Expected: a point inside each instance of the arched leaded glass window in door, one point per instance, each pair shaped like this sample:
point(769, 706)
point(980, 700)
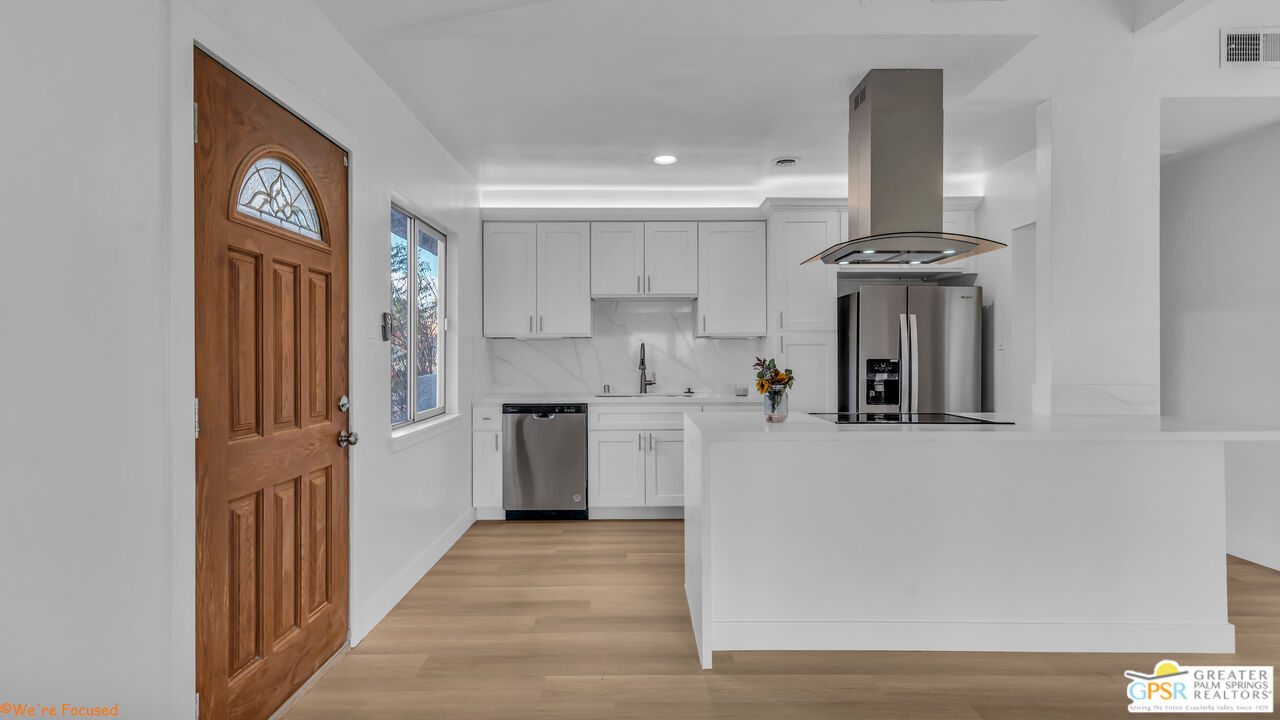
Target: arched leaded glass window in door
point(274, 192)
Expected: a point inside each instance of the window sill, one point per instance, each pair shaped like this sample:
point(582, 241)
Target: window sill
point(406, 437)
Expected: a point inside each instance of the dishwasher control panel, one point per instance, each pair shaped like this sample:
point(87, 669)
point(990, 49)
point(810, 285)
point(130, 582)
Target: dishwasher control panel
point(544, 409)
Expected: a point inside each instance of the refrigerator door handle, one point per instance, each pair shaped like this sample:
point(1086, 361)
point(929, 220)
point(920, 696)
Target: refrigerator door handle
point(904, 360)
point(915, 365)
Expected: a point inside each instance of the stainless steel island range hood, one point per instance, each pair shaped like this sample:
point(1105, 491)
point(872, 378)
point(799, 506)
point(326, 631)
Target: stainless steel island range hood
point(895, 176)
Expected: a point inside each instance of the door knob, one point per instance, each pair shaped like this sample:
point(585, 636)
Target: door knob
point(346, 437)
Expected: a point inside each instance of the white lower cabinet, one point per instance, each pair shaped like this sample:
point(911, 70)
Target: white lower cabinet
point(615, 468)
point(635, 468)
point(664, 469)
point(486, 469)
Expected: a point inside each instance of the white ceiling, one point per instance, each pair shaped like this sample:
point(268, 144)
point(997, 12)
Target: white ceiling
point(575, 97)
point(1191, 124)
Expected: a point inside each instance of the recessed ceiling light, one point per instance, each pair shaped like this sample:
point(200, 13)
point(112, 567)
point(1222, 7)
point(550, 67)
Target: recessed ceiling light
point(915, 262)
point(665, 159)
point(845, 262)
point(786, 162)
point(948, 252)
point(868, 252)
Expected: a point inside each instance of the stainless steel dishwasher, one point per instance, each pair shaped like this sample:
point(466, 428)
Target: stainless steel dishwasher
point(544, 461)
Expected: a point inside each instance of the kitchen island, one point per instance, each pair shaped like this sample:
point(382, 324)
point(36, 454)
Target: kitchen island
point(1056, 534)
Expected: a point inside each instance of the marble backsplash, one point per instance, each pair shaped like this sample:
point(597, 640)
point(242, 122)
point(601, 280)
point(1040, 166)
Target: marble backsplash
point(611, 356)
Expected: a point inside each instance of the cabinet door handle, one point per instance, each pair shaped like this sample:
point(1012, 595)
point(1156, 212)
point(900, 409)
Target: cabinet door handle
point(539, 323)
point(495, 442)
point(780, 319)
point(530, 324)
point(704, 323)
point(640, 442)
point(779, 344)
point(637, 284)
point(650, 442)
point(648, 283)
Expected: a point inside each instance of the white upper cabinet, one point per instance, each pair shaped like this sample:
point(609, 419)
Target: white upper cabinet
point(510, 279)
point(671, 259)
point(564, 279)
point(654, 259)
point(537, 280)
point(617, 259)
point(731, 279)
point(802, 298)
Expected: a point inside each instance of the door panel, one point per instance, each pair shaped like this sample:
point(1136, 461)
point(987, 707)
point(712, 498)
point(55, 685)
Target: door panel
point(564, 280)
point(271, 314)
point(880, 313)
point(671, 258)
point(949, 349)
point(616, 475)
point(812, 357)
point(510, 279)
point(803, 297)
point(664, 471)
point(731, 279)
point(617, 259)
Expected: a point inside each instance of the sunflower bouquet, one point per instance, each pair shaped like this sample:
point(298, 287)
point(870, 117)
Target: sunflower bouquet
point(773, 384)
point(769, 377)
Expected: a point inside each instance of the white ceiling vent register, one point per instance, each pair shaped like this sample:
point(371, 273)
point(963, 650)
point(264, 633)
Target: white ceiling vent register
point(1258, 47)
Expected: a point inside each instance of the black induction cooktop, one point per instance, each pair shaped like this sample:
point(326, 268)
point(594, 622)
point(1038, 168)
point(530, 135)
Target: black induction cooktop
point(904, 419)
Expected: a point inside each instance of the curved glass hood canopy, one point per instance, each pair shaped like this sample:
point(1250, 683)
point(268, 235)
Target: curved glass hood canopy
point(895, 176)
point(913, 248)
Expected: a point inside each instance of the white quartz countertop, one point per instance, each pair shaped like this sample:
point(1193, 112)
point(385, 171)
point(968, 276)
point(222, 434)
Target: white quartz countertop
point(803, 427)
point(698, 398)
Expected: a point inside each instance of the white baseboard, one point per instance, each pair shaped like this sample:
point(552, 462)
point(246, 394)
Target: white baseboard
point(636, 513)
point(976, 637)
point(394, 591)
point(603, 513)
point(1255, 551)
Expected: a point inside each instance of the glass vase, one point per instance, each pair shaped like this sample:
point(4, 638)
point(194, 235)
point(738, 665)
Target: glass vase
point(775, 404)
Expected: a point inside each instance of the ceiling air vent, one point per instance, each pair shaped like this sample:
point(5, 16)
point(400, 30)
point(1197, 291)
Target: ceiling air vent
point(1259, 47)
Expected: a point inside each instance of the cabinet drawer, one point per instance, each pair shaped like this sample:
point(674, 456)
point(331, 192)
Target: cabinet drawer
point(630, 417)
point(486, 417)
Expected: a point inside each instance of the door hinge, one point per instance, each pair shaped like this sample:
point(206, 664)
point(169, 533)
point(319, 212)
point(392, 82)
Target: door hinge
point(197, 706)
point(344, 161)
point(196, 417)
point(195, 123)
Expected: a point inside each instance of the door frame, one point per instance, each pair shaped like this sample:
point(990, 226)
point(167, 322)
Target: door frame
point(190, 28)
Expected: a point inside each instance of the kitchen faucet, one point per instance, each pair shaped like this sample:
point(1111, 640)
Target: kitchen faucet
point(645, 381)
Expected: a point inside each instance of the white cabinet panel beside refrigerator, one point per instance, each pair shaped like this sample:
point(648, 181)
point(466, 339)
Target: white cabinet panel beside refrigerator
point(802, 298)
point(731, 280)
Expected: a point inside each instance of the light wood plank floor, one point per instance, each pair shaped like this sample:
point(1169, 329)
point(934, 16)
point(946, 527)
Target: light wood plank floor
point(588, 620)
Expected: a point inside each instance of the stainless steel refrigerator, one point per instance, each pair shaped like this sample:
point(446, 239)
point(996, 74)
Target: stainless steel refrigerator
point(910, 349)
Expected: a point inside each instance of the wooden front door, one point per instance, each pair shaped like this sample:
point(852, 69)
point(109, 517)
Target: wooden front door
point(271, 366)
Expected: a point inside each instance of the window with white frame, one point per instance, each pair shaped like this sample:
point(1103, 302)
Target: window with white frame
point(417, 319)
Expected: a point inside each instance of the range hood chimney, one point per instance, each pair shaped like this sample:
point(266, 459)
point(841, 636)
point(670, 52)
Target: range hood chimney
point(895, 175)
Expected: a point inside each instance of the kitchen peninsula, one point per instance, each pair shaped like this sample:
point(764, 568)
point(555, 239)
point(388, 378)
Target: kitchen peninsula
point(1056, 534)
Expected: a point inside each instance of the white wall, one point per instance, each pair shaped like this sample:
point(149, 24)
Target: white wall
point(96, 455)
point(1220, 340)
point(1101, 186)
point(1009, 202)
point(85, 483)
